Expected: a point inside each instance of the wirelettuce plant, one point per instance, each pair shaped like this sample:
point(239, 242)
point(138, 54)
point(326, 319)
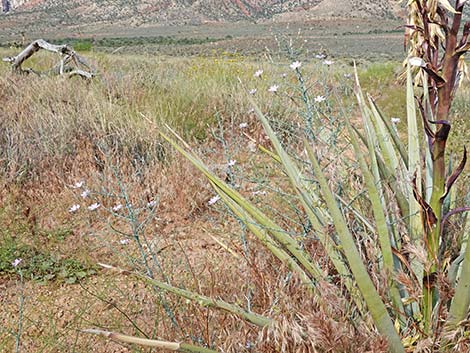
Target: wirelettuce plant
point(424, 302)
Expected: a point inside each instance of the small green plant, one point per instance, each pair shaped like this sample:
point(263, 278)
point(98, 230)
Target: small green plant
point(39, 265)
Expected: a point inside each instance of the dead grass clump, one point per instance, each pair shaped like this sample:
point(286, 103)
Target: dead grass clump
point(318, 325)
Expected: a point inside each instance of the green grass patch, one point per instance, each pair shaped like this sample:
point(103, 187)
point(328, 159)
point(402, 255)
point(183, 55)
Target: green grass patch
point(39, 265)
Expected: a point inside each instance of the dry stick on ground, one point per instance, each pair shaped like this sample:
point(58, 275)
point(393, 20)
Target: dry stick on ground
point(67, 56)
point(171, 346)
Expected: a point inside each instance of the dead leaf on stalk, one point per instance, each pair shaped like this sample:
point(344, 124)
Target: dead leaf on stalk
point(446, 4)
point(434, 75)
point(464, 45)
point(443, 132)
point(429, 217)
point(427, 126)
point(455, 174)
point(463, 49)
point(405, 261)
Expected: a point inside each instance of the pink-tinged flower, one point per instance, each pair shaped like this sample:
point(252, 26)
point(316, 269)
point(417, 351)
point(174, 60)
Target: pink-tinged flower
point(243, 125)
point(78, 184)
point(213, 200)
point(258, 73)
point(328, 62)
point(16, 262)
point(295, 65)
point(319, 99)
point(273, 88)
point(74, 208)
point(253, 91)
point(94, 206)
point(124, 241)
point(85, 193)
point(231, 163)
point(152, 204)
point(117, 207)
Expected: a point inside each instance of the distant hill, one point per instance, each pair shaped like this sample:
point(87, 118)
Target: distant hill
point(177, 12)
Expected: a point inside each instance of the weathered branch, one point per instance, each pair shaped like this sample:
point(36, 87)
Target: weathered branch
point(67, 54)
point(202, 300)
point(170, 346)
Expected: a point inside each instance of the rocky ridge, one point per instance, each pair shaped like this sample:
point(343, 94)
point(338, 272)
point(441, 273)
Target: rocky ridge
point(174, 12)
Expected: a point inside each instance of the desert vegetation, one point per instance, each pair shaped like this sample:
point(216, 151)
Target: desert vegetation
point(232, 203)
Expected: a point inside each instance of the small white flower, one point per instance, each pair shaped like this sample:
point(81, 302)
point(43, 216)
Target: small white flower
point(395, 120)
point(319, 99)
point(94, 206)
point(295, 65)
point(85, 193)
point(231, 163)
point(347, 75)
point(253, 91)
point(259, 192)
point(152, 204)
point(213, 200)
point(320, 56)
point(117, 207)
point(284, 75)
point(243, 125)
point(124, 241)
point(415, 61)
point(78, 184)
point(16, 262)
point(258, 73)
point(328, 62)
point(273, 88)
point(74, 208)
point(251, 111)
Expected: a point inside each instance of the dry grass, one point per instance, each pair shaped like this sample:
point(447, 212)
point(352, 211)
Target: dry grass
point(55, 132)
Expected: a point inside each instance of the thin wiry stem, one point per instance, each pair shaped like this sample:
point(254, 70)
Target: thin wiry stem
point(20, 316)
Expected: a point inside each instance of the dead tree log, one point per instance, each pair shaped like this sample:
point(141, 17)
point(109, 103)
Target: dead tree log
point(70, 63)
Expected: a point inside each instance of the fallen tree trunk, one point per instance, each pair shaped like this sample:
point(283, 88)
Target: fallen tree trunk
point(67, 56)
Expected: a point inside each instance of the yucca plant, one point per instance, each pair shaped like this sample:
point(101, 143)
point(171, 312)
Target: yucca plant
point(425, 299)
point(437, 48)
